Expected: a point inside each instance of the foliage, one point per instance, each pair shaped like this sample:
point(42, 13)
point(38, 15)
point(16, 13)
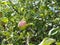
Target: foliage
point(42, 18)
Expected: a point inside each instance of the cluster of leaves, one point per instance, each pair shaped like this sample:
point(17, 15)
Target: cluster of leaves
point(42, 17)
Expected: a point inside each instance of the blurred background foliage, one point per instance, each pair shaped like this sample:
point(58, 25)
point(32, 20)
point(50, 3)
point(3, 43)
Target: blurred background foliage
point(44, 14)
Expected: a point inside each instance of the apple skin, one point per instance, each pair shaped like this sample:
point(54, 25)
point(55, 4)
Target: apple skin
point(22, 24)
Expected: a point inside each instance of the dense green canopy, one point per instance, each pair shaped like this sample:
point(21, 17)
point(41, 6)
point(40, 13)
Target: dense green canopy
point(41, 21)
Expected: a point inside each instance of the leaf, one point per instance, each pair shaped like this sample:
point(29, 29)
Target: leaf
point(57, 43)
point(22, 9)
point(30, 24)
point(47, 41)
point(5, 19)
point(31, 44)
point(9, 44)
point(53, 31)
point(4, 2)
point(1, 14)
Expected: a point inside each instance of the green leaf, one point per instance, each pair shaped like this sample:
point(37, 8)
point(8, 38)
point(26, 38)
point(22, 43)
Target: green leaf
point(47, 41)
point(9, 44)
point(57, 43)
point(4, 2)
point(54, 31)
point(31, 44)
point(1, 14)
point(5, 19)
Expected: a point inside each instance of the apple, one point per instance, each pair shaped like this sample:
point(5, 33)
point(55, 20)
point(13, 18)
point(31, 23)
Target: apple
point(22, 24)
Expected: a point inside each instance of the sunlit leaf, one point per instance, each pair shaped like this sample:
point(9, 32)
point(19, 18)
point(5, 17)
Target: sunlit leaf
point(5, 20)
point(47, 41)
point(57, 43)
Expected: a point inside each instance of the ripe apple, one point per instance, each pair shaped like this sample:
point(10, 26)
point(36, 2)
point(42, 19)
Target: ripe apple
point(22, 24)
